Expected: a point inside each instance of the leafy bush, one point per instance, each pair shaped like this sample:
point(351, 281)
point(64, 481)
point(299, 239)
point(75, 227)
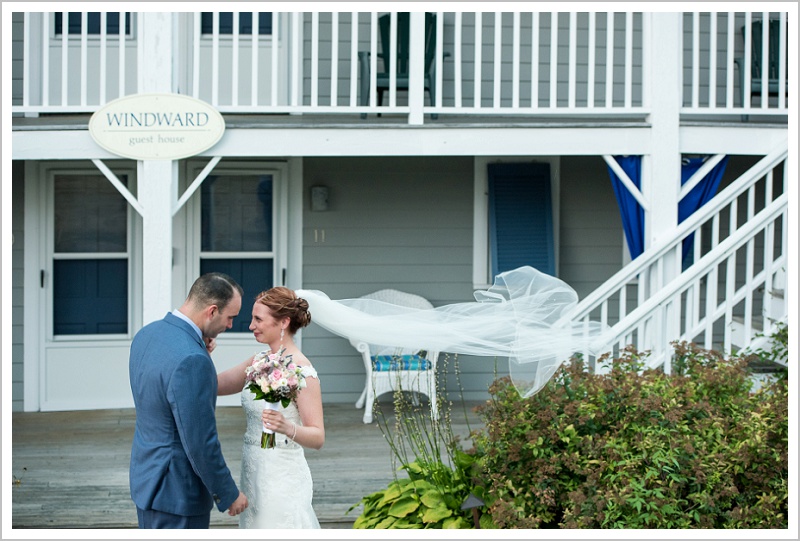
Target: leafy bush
point(439, 472)
point(430, 497)
point(637, 448)
point(632, 448)
point(778, 352)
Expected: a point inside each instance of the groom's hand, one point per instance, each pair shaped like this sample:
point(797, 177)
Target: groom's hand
point(239, 505)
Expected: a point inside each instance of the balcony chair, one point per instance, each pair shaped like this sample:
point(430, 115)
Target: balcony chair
point(773, 57)
point(392, 369)
point(401, 64)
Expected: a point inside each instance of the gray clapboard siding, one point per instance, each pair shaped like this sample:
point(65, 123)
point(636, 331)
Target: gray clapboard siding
point(403, 256)
point(401, 223)
point(437, 294)
point(576, 236)
point(585, 277)
point(371, 275)
point(17, 27)
point(358, 258)
point(17, 293)
point(591, 241)
point(395, 235)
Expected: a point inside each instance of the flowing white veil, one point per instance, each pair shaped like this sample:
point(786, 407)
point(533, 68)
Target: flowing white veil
point(522, 317)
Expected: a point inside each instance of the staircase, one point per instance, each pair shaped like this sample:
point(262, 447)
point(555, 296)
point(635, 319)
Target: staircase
point(726, 292)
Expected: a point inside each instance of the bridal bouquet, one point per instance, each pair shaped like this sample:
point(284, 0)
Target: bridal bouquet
point(276, 378)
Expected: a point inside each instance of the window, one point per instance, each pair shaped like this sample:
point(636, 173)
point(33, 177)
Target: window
point(520, 217)
point(236, 226)
point(74, 20)
point(90, 256)
point(245, 23)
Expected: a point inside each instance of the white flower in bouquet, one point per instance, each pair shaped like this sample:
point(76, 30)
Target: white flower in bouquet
point(274, 377)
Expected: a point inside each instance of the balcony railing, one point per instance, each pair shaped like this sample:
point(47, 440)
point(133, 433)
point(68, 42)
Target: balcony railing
point(485, 63)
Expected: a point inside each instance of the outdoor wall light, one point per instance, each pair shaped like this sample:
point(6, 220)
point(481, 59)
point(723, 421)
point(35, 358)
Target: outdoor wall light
point(319, 198)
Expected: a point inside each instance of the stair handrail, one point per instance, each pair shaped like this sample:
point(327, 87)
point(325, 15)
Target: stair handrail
point(660, 248)
point(686, 278)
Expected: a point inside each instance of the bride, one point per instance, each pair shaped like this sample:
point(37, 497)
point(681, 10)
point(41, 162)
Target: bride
point(277, 481)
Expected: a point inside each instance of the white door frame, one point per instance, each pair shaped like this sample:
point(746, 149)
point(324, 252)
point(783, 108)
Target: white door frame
point(40, 344)
point(233, 348)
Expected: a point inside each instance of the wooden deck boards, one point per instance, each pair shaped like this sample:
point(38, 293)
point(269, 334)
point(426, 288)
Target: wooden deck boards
point(71, 468)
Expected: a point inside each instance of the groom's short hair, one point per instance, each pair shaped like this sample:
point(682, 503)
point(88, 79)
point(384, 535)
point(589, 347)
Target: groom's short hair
point(214, 288)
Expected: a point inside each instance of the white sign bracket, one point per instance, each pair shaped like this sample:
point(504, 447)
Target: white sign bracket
point(196, 184)
point(117, 183)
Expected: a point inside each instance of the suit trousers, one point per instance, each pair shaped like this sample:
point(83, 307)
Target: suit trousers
point(150, 518)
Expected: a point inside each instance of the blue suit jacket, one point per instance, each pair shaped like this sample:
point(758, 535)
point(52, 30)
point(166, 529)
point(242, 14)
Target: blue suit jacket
point(176, 459)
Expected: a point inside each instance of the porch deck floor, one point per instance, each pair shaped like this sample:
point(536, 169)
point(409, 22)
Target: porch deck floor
point(70, 469)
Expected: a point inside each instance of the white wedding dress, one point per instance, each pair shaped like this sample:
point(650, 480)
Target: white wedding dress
point(277, 481)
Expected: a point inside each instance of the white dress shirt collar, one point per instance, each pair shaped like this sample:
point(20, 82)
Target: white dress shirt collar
point(184, 317)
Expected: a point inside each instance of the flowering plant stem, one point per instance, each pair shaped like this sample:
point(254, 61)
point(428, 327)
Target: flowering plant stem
point(267, 440)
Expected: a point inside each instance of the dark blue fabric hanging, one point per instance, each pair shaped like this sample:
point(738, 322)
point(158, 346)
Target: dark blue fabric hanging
point(701, 194)
point(632, 213)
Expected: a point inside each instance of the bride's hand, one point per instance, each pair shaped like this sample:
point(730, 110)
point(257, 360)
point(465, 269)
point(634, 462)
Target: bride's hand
point(211, 343)
point(274, 420)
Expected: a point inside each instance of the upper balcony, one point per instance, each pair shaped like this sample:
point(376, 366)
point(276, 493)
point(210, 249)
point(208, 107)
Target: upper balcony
point(475, 66)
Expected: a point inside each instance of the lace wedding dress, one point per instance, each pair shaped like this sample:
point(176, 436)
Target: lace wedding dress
point(277, 481)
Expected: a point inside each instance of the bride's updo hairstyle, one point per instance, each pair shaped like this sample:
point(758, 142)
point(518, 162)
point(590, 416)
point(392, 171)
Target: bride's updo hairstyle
point(282, 302)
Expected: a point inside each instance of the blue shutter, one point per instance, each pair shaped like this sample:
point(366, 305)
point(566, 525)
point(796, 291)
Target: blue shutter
point(520, 217)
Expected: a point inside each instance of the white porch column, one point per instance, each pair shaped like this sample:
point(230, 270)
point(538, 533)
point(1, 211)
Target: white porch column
point(158, 188)
point(158, 179)
point(661, 170)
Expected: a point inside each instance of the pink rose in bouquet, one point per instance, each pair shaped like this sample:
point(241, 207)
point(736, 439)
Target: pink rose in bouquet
point(275, 378)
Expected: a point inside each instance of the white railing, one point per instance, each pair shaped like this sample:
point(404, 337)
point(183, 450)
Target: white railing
point(636, 291)
point(484, 63)
point(75, 73)
point(720, 78)
point(703, 301)
point(540, 63)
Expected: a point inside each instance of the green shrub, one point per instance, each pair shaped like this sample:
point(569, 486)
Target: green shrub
point(440, 474)
point(430, 497)
point(637, 448)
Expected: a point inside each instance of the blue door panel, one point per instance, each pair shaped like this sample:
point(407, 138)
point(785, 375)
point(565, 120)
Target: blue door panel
point(254, 275)
point(90, 296)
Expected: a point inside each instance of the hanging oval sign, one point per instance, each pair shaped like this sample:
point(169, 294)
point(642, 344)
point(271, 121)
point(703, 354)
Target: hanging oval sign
point(156, 126)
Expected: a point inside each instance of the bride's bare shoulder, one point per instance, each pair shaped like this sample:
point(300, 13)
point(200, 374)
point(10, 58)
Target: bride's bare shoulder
point(300, 359)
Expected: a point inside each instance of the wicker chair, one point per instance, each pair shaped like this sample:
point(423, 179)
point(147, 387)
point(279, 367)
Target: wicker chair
point(395, 369)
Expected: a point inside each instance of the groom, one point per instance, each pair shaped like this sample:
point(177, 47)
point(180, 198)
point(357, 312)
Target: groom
point(177, 471)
